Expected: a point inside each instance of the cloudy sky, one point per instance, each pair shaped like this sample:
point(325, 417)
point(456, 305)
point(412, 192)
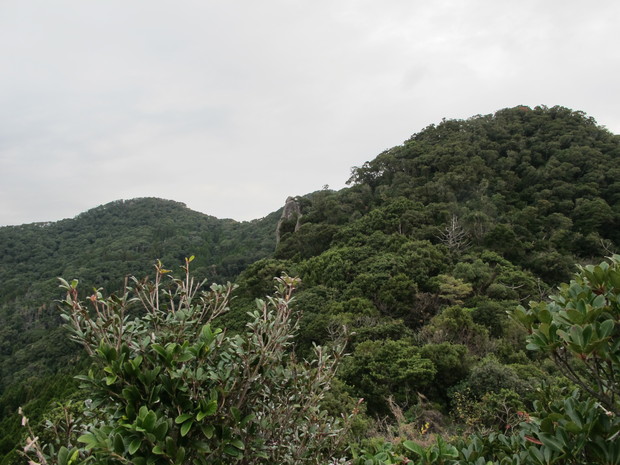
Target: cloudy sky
point(231, 106)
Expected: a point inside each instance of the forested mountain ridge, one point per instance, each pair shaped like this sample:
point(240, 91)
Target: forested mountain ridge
point(421, 258)
point(540, 186)
point(103, 245)
point(99, 248)
point(109, 241)
point(438, 238)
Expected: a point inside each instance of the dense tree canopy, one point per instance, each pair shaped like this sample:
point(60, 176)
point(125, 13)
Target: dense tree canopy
point(422, 259)
point(99, 247)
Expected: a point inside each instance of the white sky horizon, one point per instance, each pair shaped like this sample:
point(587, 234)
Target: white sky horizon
point(230, 107)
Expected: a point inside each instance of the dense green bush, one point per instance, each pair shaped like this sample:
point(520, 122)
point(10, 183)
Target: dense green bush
point(384, 368)
point(432, 245)
point(168, 386)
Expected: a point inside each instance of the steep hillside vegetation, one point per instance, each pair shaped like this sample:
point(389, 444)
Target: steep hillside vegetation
point(437, 239)
point(99, 248)
point(528, 184)
point(421, 259)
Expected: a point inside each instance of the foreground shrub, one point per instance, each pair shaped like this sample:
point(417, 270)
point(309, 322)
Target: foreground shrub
point(169, 387)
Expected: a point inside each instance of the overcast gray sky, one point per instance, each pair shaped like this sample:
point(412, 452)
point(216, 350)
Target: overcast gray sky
point(231, 106)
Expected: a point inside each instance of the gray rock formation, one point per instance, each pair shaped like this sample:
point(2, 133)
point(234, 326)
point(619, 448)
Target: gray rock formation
point(291, 212)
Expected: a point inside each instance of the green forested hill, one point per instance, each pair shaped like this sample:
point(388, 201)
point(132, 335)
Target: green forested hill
point(540, 187)
point(420, 258)
point(437, 239)
point(100, 247)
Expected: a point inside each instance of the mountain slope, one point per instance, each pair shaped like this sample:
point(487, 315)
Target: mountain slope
point(103, 245)
point(527, 183)
point(437, 239)
point(99, 248)
point(421, 258)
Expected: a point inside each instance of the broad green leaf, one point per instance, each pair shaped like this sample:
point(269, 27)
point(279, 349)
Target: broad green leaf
point(149, 422)
point(161, 430)
point(614, 278)
point(183, 418)
point(232, 451)
point(599, 301)
point(451, 451)
point(551, 442)
point(536, 455)
point(247, 419)
point(587, 334)
point(211, 407)
point(533, 347)
point(238, 444)
point(160, 350)
point(544, 316)
point(413, 447)
point(131, 394)
point(599, 275)
point(63, 456)
point(89, 439)
point(606, 328)
point(171, 445)
point(119, 445)
point(236, 413)
point(576, 336)
point(575, 316)
point(208, 431)
point(186, 427)
point(180, 456)
point(134, 446)
point(581, 306)
point(572, 427)
point(202, 446)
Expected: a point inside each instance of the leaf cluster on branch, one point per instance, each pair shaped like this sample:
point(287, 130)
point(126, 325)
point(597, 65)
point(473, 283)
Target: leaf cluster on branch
point(169, 387)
